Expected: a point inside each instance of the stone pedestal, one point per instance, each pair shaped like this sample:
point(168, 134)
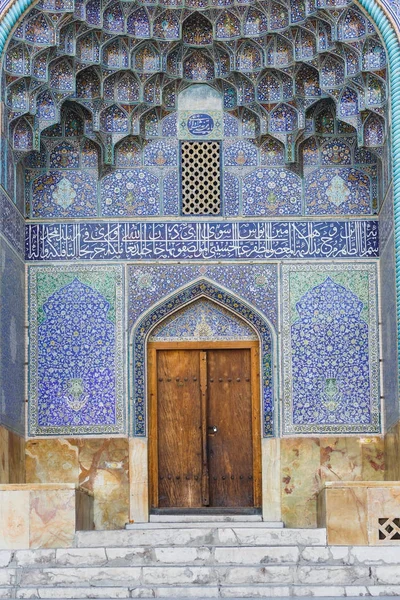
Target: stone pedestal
point(43, 515)
point(359, 513)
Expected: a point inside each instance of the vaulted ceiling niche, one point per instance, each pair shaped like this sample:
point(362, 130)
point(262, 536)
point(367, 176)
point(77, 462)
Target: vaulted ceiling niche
point(293, 76)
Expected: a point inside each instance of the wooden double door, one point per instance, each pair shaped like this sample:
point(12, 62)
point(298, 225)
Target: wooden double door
point(204, 426)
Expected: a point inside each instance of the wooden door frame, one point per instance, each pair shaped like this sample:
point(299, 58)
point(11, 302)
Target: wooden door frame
point(152, 348)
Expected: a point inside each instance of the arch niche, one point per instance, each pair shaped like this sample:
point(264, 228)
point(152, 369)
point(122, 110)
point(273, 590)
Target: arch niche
point(257, 336)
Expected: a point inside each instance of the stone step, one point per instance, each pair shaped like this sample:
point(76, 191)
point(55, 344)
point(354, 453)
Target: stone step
point(210, 575)
point(197, 593)
point(201, 556)
point(164, 524)
point(215, 535)
point(210, 519)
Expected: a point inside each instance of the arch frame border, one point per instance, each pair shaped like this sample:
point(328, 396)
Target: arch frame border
point(180, 298)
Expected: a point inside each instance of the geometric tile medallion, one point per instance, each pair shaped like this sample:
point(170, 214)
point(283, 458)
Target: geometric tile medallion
point(330, 349)
point(76, 350)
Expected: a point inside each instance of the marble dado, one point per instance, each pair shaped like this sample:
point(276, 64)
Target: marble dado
point(12, 459)
point(43, 515)
point(294, 471)
point(98, 465)
point(360, 512)
point(308, 463)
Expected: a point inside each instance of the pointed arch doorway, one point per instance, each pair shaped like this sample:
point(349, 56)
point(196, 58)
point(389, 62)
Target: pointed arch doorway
point(204, 412)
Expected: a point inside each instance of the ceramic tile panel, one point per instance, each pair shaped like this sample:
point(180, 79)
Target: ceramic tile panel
point(128, 97)
point(12, 334)
point(202, 320)
point(64, 194)
point(205, 240)
point(330, 349)
point(76, 360)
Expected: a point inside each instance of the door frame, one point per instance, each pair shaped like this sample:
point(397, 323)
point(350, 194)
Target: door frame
point(152, 348)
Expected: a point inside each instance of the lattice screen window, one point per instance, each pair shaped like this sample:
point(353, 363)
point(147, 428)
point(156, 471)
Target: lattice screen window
point(389, 529)
point(201, 178)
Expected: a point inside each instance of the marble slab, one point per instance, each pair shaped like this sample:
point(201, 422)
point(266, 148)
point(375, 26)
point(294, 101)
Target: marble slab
point(99, 465)
point(360, 512)
point(43, 515)
point(307, 464)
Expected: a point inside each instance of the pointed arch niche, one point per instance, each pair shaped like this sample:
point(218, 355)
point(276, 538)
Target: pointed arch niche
point(225, 302)
point(201, 311)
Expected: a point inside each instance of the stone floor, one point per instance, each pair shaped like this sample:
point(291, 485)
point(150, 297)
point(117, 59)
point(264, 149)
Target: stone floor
point(201, 561)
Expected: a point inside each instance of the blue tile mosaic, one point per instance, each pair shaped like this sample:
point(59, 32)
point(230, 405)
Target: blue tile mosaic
point(130, 192)
point(171, 193)
point(199, 289)
point(12, 335)
point(202, 320)
point(338, 191)
point(12, 224)
point(230, 194)
point(202, 240)
point(62, 194)
point(330, 349)
point(75, 364)
point(272, 192)
point(256, 284)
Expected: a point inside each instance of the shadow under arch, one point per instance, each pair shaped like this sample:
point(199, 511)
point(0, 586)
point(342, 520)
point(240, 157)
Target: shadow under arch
point(202, 288)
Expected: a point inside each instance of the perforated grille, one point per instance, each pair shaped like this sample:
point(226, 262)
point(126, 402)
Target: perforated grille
point(389, 529)
point(201, 178)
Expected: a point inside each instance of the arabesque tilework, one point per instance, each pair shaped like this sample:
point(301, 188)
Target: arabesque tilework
point(76, 373)
point(330, 349)
point(202, 320)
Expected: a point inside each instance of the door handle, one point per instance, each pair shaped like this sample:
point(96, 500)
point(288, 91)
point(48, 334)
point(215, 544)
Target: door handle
point(212, 429)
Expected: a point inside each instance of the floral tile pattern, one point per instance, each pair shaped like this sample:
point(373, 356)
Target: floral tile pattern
point(76, 370)
point(330, 349)
point(200, 321)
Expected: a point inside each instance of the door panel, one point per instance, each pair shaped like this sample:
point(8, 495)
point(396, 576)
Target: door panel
point(196, 392)
point(230, 448)
point(179, 428)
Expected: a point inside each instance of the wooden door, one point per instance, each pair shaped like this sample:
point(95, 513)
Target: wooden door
point(204, 426)
point(229, 428)
point(179, 428)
